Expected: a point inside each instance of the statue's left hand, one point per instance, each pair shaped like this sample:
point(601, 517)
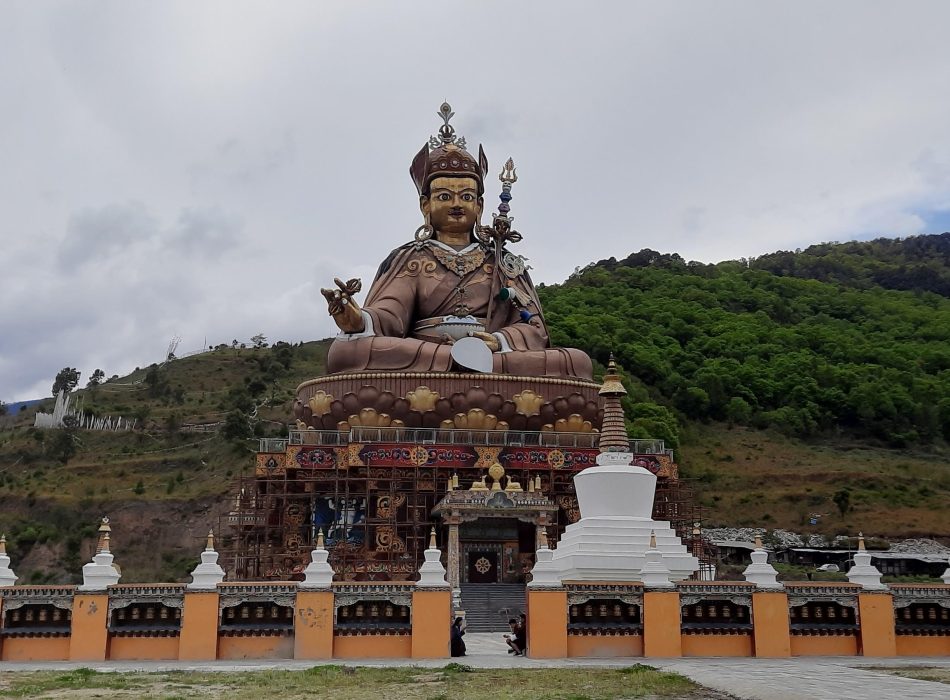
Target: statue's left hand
point(491, 341)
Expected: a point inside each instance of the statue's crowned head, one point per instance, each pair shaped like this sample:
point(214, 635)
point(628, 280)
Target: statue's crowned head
point(445, 156)
point(449, 179)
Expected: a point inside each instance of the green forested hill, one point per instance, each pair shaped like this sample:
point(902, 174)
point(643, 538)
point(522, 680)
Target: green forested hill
point(809, 343)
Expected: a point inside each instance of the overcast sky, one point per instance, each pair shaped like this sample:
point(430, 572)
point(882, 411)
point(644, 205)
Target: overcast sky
point(200, 169)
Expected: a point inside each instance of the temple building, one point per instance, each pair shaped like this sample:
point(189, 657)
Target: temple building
point(445, 406)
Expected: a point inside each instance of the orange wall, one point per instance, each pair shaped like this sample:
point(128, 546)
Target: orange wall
point(661, 624)
point(269, 647)
point(89, 637)
point(831, 645)
point(313, 625)
point(35, 649)
point(431, 619)
point(547, 624)
point(770, 636)
point(912, 645)
point(375, 646)
point(876, 612)
point(604, 646)
point(143, 648)
point(199, 627)
point(717, 645)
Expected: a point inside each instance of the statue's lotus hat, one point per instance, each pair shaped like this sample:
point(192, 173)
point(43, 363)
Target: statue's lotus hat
point(445, 156)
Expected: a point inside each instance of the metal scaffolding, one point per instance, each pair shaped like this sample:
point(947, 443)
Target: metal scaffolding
point(376, 519)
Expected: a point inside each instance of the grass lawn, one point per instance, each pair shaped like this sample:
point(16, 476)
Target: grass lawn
point(454, 681)
point(921, 673)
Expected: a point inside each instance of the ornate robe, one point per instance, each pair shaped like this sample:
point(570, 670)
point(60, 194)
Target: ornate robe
point(421, 282)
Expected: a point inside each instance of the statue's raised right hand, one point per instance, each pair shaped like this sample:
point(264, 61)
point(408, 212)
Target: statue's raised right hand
point(343, 308)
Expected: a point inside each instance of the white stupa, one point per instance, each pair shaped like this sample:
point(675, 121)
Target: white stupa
point(432, 573)
point(101, 572)
point(610, 541)
point(319, 574)
point(760, 572)
point(208, 574)
point(863, 571)
point(7, 577)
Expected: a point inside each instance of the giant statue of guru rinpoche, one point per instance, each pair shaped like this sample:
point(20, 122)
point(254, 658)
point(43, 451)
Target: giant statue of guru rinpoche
point(455, 298)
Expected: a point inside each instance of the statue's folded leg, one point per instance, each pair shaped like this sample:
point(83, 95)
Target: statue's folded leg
point(385, 354)
point(552, 362)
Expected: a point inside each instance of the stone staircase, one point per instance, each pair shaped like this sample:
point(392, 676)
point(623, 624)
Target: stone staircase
point(488, 606)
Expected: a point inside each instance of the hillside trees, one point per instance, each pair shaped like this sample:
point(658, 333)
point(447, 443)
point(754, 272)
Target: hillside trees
point(737, 343)
point(67, 378)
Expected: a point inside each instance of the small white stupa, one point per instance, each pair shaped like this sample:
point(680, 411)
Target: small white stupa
point(610, 541)
point(101, 572)
point(208, 574)
point(655, 573)
point(760, 572)
point(544, 574)
point(863, 572)
point(7, 577)
point(319, 574)
point(432, 573)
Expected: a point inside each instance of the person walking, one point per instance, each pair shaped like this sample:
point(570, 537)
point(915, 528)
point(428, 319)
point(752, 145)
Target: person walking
point(455, 636)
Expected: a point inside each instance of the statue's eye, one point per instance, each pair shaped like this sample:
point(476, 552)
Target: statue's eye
point(467, 197)
point(444, 197)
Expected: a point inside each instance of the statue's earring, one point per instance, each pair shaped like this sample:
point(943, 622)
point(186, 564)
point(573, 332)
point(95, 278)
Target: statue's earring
point(483, 233)
point(424, 232)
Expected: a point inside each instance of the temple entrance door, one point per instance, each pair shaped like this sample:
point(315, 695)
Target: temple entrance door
point(482, 566)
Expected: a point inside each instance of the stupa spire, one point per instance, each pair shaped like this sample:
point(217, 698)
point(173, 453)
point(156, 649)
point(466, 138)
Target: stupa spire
point(613, 431)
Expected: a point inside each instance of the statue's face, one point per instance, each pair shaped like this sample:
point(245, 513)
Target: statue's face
point(453, 204)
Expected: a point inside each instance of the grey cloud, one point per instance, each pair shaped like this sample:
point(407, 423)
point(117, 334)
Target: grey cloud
point(208, 231)
point(95, 233)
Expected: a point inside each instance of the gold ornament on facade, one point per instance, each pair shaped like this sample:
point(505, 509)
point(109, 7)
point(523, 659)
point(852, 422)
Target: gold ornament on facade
point(388, 541)
point(320, 403)
point(418, 456)
point(479, 485)
point(422, 399)
point(371, 418)
point(475, 419)
point(556, 459)
point(528, 402)
point(487, 456)
point(386, 506)
point(496, 472)
point(573, 424)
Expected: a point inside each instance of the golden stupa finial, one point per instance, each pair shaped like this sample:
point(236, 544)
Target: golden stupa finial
point(758, 541)
point(860, 541)
point(209, 544)
point(652, 539)
point(3, 543)
point(104, 530)
point(612, 385)
point(496, 472)
point(696, 531)
point(105, 545)
point(320, 543)
point(432, 544)
point(543, 538)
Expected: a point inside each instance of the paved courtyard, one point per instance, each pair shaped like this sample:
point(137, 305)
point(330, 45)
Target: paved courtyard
point(822, 678)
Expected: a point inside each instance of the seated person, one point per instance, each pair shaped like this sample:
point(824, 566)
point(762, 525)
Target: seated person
point(455, 635)
point(515, 640)
point(453, 268)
